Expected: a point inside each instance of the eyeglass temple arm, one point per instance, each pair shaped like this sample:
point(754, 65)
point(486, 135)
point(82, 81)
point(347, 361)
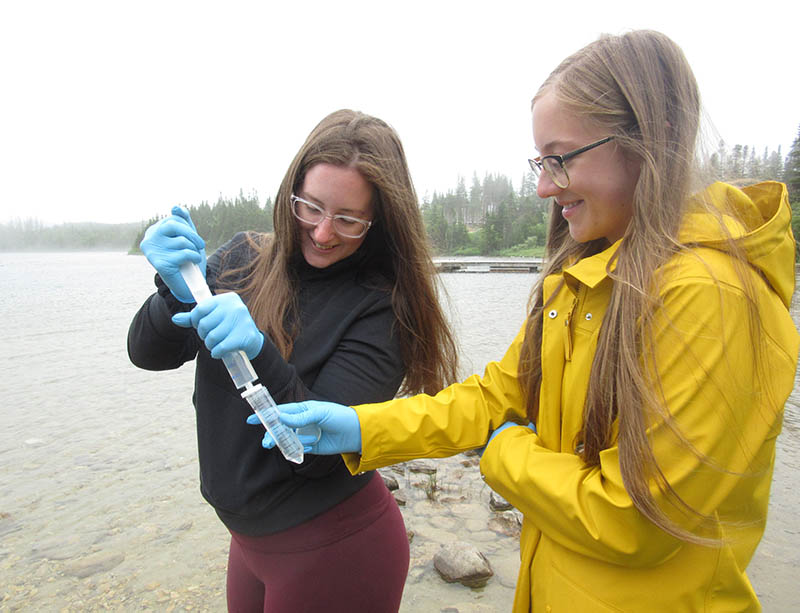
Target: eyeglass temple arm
point(572, 154)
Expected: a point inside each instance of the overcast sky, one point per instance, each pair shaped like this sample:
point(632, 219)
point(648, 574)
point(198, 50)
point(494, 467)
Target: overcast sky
point(115, 111)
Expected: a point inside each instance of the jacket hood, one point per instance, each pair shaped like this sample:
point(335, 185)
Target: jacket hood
point(763, 229)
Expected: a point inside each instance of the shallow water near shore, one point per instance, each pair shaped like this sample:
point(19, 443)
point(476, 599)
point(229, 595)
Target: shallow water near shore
point(100, 506)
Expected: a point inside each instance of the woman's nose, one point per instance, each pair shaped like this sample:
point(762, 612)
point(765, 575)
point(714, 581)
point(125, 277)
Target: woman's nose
point(545, 188)
point(323, 231)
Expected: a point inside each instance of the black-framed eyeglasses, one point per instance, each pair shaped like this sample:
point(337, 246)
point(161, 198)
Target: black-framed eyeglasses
point(343, 225)
point(554, 164)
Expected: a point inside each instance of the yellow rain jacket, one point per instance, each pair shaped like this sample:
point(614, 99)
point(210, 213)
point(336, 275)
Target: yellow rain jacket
point(584, 546)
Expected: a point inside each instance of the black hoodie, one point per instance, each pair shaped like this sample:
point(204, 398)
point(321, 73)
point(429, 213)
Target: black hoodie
point(345, 352)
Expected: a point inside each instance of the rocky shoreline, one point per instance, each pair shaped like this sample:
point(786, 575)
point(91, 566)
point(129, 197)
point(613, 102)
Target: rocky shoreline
point(463, 541)
point(167, 551)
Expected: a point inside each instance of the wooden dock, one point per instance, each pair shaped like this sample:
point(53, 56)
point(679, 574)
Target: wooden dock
point(477, 264)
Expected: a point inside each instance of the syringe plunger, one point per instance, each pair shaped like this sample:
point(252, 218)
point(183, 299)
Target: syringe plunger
point(243, 375)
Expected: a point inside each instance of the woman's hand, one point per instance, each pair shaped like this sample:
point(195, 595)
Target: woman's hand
point(170, 242)
point(508, 424)
point(339, 428)
point(225, 325)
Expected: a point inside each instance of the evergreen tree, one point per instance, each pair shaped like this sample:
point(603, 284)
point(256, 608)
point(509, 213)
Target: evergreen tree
point(475, 200)
point(714, 166)
point(492, 237)
point(461, 201)
point(735, 167)
point(791, 171)
point(774, 167)
point(528, 185)
point(722, 160)
point(753, 169)
point(435, 223)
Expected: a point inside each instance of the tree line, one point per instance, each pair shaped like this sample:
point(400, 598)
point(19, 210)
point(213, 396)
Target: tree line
point(791, 176)
point(34, 235)
point(490, 217)
point(218, 223)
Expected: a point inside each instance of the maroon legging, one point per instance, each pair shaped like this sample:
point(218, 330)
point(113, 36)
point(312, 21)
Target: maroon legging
point(353, 557)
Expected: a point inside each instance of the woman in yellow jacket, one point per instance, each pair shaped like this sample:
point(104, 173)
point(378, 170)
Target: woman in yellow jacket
point(653, 367)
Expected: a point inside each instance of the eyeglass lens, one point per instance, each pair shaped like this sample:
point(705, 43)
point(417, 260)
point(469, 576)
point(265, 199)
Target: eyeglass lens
point(554, 168)
point(345, 226)
point(556, 171)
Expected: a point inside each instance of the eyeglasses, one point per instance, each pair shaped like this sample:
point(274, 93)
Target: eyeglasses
point(554, 164)
point(343, 225)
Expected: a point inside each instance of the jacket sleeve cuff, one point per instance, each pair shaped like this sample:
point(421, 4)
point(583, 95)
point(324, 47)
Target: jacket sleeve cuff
point(353, 463)
point(173, 304)
point(160, 310)
point(373, 441)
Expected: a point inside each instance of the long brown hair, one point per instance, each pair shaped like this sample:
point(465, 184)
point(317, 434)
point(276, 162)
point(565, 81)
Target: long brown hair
point(396, 246)
point(639, 88)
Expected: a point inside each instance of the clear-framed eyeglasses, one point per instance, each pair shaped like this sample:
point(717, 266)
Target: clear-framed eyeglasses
point(555, 167)
point(343, 225)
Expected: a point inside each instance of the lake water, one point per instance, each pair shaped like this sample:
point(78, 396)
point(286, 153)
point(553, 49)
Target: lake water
point(100, 505)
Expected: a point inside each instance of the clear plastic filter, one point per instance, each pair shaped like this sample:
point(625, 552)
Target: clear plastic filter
point(285, 438)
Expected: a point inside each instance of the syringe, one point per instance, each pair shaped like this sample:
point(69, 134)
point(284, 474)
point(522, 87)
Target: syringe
point(243, 375)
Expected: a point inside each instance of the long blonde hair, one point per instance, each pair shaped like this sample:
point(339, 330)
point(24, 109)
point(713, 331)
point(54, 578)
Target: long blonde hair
point(639, 88)
point(395, 246)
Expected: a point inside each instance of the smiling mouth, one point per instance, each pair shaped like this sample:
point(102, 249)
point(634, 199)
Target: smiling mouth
point(322, 247)
point(571, 205)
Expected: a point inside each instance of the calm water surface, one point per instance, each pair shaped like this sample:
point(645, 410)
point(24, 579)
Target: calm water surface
point(99, 501)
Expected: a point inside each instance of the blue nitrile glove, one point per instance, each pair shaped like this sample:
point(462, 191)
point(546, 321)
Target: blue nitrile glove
point(170, 242)
point(508, 424)
point(340, 430)
point(225, 325)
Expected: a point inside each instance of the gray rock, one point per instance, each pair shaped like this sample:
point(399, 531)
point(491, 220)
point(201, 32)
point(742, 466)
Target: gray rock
point(462, 562)
point(468, 607)
point(498, 503)
point(390, 481)
point(422, 466)
point(508, 523)
point(400, 497)
point(93, 564)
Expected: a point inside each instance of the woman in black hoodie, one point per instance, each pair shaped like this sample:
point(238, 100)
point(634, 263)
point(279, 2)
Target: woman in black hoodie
point(339, 304)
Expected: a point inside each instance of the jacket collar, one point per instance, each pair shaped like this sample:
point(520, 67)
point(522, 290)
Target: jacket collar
point(593, 270)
